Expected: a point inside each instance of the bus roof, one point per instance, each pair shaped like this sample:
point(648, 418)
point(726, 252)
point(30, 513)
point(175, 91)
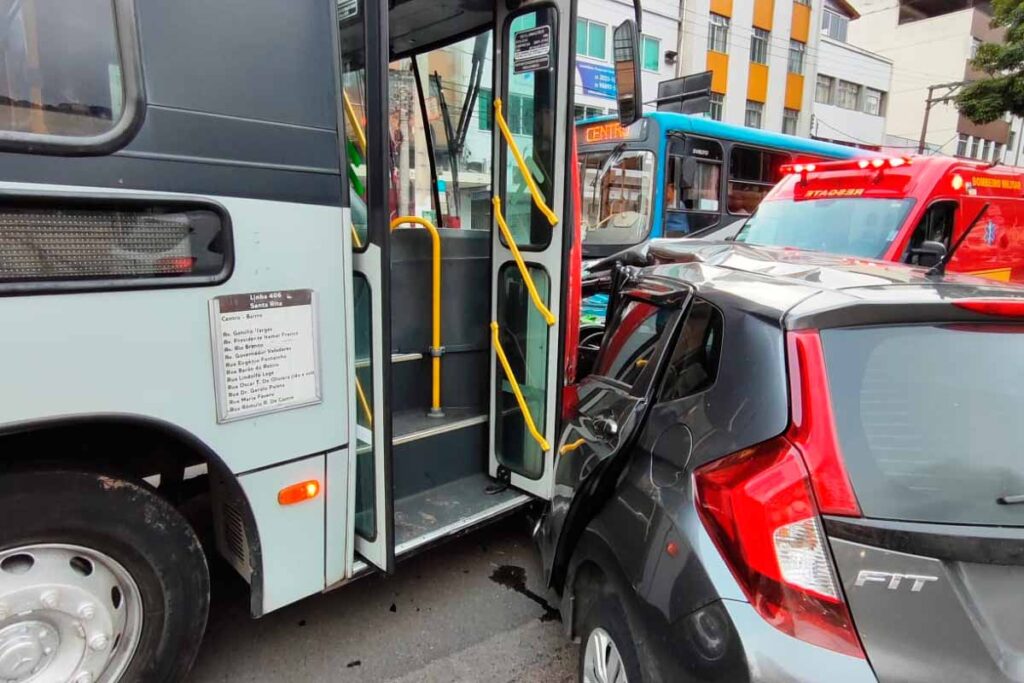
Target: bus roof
point(700, 125)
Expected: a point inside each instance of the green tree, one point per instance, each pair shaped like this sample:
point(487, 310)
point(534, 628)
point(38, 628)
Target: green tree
point(1002, 89)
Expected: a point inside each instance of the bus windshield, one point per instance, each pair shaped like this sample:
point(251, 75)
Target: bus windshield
point(618, 193)
point(854, 226)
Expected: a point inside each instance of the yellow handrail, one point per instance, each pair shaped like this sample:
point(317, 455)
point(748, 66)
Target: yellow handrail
point(367, 410)
point(527, 176)
point(350, 114)
point(549, 317)
point(435, 335)
point(570, 447)
point(523, 408)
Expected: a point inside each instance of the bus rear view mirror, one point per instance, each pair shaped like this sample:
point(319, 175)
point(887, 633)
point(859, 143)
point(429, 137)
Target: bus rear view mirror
point(626, 53)
point(927, 254)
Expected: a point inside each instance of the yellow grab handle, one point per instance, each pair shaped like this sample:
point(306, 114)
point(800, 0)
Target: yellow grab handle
point(549, 317)
point(570, 447)
point(350, 114)
point(367, 411)
point(523, 408)
point(435, 334)
point(527, 176)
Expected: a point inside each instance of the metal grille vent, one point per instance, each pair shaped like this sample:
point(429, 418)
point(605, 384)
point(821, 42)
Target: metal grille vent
point(87, 244)
point(234, 535)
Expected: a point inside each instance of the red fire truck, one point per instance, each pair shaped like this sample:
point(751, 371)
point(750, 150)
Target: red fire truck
point(907, 209)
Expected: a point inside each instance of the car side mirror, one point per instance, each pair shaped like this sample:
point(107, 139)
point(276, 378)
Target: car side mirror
point(688, 172)
point(927, 254)
point(626, 53)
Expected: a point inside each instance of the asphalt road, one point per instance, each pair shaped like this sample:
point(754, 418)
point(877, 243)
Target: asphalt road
point(472, 609)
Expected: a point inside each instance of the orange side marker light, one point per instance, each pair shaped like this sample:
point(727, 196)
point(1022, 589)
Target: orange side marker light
point(297, 493)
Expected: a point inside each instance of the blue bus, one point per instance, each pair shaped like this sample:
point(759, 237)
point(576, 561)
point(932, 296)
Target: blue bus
point(676, 175)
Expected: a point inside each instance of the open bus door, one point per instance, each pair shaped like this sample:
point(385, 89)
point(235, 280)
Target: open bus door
point(364, 93)
point(533, 231)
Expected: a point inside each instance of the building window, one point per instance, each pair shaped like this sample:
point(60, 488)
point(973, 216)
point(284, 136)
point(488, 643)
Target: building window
point(796, 56)
point(650, 53)
point(716, 106)
point(803, 2)
point(834, 25)
point(997, 153)
point(986, 147)
point(485, 110)
point(755, 110)
point(974, 147)
point(824, 92)
point(873, 100)
point(789, 121)
point(759, 46)
point(520, 114)
point(961, 145)
point(847, 95)
point(581, 111)
point(591, 38)
point(718, 33)
point(975, 44)
point(1011, 145)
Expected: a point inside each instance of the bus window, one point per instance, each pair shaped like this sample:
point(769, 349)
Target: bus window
point(529, 108)
point(752, 172)
point(694, 206)
point(60, 73)
point(617, 196)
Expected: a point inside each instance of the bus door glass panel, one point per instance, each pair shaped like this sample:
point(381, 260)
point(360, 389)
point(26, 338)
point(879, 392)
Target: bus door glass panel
point(618, 196)
point(533, 45)
point(936, 225)
point(692, 206)
point(365, 508)
point(524, 338)
point(752, 173)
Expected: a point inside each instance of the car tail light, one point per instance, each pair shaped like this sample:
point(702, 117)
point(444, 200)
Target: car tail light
point(1000, 307)
point(762, 508)
point(758, 507)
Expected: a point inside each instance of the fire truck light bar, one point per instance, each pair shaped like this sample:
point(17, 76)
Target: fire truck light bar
point(847, 165)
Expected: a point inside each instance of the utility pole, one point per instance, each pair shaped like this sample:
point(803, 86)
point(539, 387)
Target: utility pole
point(951, 90)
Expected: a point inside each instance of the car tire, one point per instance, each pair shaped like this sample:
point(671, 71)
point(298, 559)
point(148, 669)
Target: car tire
point(106, 557)
point(607, 650)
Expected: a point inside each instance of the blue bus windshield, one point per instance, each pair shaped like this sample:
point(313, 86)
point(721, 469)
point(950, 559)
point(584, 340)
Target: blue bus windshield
point(617, 196)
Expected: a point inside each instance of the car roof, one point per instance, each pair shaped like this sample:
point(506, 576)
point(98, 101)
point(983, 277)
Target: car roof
point(814, 289)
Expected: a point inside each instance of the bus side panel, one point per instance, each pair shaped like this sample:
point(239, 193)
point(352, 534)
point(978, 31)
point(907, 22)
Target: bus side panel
point(148, 353)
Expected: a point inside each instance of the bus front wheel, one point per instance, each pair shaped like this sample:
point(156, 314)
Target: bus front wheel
point(100, 580)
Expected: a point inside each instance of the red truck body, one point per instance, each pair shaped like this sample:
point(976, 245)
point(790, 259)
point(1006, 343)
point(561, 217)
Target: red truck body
point(887, 207)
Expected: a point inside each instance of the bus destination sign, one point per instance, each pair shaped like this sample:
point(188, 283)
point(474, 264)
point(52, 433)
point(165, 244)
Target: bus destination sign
point(612, 131)
point(265, 352)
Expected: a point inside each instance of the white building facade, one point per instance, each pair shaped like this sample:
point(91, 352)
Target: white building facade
point(595, 75)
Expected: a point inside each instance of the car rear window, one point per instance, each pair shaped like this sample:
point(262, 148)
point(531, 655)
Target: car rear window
point(931, 419)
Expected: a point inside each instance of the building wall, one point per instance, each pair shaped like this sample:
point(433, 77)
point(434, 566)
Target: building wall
point(849, 63)
point(736, 77)
point(660, 21)
point(923, 53)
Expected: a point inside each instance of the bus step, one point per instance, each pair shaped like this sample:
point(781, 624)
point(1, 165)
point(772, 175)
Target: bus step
point(415, 424)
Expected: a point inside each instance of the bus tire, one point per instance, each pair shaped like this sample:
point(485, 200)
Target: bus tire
point(84, 553)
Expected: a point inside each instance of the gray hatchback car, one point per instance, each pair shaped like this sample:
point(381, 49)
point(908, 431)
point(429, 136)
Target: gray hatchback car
point(785, 466)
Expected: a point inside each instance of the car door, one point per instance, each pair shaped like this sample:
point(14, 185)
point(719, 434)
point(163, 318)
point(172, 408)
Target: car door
point(611, 405)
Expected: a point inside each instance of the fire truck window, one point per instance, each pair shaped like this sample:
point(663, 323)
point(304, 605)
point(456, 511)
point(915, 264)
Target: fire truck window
point(936, 225)
point(752, 172)
point(60, 73)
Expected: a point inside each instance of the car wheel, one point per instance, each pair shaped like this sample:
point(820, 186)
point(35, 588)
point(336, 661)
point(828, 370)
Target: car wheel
point(607, 651)
point(101, 580)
